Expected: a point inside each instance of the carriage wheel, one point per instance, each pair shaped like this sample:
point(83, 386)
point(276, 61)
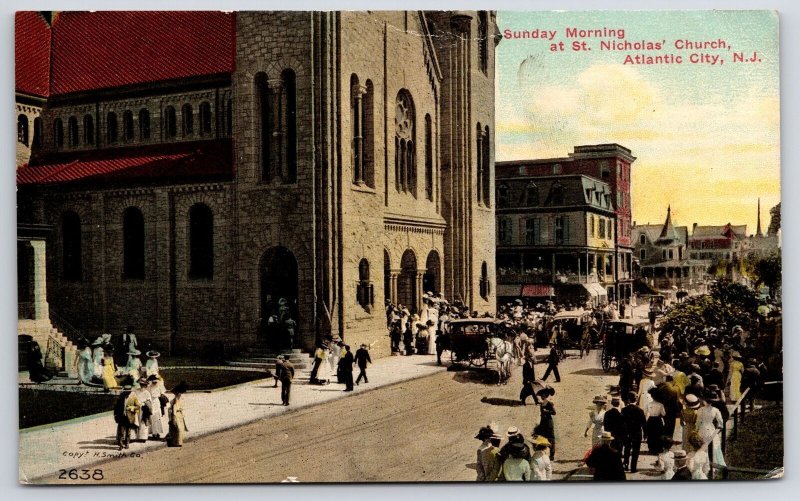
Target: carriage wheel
point(606, 360)
point(453, 357)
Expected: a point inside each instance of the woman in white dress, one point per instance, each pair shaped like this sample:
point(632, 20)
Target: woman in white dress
point(134, 366)
point(710, 426)
point(596, 420)
point(97, 357)
point(334, 354)
point(151, 366)
point(85, 364)
point(145, 399)
point(156, 388)
point(541, 467)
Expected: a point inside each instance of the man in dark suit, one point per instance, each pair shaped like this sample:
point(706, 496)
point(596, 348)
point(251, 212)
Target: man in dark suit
point(671, 398)
point(284, 372)
point(635, 421)
point(604, 461)
point(528, 378)
point(346, 368)
point(552, 364)
point(614, 423)
point(362, 359)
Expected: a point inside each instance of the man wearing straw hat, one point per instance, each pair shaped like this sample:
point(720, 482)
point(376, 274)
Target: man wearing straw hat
point(605, 462)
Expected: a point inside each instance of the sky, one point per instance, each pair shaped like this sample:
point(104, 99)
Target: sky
point(706, 137)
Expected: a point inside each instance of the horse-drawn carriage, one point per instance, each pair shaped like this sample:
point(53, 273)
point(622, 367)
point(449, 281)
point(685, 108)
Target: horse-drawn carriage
point(476, 341)
point(571, 330)
point(623, 337)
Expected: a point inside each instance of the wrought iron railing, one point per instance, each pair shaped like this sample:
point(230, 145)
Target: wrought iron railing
point(54, 355)
point(66, 328)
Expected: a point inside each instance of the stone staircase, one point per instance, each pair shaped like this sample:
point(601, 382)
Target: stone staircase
point(264, 358)
point(46, 335)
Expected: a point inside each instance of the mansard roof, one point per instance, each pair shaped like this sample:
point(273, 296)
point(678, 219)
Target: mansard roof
point(181, 162)
point(32, 54)
point(102, 50)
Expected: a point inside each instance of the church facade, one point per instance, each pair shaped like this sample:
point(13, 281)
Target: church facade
point(230, 168)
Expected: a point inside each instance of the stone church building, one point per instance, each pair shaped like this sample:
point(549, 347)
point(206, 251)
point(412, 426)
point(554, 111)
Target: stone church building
point(198, 173)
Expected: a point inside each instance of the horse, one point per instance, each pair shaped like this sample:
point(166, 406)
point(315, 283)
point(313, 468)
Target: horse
point(504, 353)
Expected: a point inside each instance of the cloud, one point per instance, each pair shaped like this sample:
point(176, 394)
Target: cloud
point(706, 154)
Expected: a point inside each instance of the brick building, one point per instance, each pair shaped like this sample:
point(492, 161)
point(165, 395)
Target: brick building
point(228, 167)
point(661, 251)
point(555, 237)
point(608, 163)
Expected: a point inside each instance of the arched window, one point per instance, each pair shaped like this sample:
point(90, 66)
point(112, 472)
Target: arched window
point(38, 133)
point(290, 92)
point(357, 92)
point(132, 244)
point(364, 292)
point(144, 124)
point(263, 104)
point(502, 195)
point(88, 130)
point(479, 163)
point(127, 126)
point(483, 41)
point(72, 132)
point(404, 141)
point(22, 129)
point(361, 116)
point(486, 170)
point(557, 194)
point(484, 282)
point(205, 118)
point(58, 133)
point(642, 239)
point(71, 246)
point(229, 117)
point(187, 120)
point(531, 195)
point(111, 128)
point(428, 157)
point(201, 242)
point(170, 122)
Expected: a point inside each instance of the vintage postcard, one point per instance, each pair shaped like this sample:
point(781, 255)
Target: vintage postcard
point(398, 246)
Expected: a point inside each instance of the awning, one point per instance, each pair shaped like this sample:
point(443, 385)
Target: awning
point(537, 290)
point(595, 289)
point(508, 290)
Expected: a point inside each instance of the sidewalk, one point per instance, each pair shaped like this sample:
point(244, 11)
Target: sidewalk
point(43, 451)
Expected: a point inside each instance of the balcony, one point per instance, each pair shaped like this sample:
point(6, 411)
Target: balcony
point(542, 276)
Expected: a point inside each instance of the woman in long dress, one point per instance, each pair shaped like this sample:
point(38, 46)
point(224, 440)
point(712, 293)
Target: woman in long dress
point(134, 366)
point(334, 354)
point(710, 425)
point(156, 389)
point(656, 415)
point(547, 425)
point(691, 435)
point(108, 373)
point(177, 421)
point(147, 410)
point(97, 357)
point(85, 364)
point(735, 377)
point(151, 366)
point(596, 417)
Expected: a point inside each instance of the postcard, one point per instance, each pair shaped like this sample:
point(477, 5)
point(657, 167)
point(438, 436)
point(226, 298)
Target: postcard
point(398, 246)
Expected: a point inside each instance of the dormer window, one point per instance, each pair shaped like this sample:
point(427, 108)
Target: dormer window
point(502, 195)
point(532, 195)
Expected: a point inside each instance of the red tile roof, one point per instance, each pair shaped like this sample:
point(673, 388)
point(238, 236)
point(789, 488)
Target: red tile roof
point(32, 54)
point(97, 50)
point(187, 161)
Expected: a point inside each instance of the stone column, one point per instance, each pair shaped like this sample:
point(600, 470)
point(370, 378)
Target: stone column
point(41, 309)
point(276, 141)
point(393, 274)
point(418, 284)
point(358, 91)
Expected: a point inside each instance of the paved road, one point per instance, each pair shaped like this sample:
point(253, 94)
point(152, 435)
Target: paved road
point(420, 430)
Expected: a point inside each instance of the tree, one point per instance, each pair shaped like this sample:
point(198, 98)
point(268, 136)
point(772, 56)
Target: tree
point(727, 303)
point(768, 272)
point(775, 220)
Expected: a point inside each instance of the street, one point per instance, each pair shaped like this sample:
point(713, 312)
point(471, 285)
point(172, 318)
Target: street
point(418, 430)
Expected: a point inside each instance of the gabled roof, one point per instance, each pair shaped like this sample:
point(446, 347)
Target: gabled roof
point(32, 54)
point(668, 233)
point(653, 233)
point(723, 231)
point(98, 50)
point(191, 161)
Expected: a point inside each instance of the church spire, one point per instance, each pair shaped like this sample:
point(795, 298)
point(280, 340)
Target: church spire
point(758, 225)
point(668, 231)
